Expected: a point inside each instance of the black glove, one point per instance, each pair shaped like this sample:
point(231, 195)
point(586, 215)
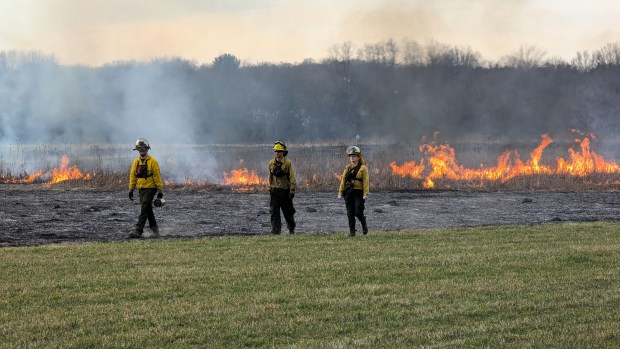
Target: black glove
point(131, 195)
point(291, 195)
point(160, 195)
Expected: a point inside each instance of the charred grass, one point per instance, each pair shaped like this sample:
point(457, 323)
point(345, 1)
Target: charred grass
point(521, 286)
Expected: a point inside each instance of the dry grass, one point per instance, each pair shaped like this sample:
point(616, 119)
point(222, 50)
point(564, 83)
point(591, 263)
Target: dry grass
point(318, 168)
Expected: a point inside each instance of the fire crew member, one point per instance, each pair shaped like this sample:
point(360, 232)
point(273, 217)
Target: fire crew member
point(145, 175)
point(281, 189)
point(354, 187)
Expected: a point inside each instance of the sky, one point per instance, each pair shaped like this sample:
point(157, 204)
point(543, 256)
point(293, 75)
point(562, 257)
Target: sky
point(96, 32)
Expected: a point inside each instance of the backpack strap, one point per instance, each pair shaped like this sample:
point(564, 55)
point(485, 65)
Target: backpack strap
point(351, 176)
point(288, 175)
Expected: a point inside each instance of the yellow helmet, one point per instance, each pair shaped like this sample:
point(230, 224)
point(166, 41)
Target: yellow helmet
point(279, 146)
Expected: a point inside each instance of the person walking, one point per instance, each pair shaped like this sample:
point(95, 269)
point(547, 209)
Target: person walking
point(281, 189)
point(144, 175)
point(354, 187)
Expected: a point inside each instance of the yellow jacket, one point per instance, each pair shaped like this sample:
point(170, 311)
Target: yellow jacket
point(361, 182)
point(283, 182)
point(152, 181)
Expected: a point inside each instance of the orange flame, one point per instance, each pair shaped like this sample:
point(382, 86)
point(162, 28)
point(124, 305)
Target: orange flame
point(30, 179)
point(408, 169)
point(442, 164)
point(243, 179)
point(66, 172)
point(57, 175)
point(586, 162)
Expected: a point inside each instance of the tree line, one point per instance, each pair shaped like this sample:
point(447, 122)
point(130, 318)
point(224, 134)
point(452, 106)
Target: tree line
point(385, 91)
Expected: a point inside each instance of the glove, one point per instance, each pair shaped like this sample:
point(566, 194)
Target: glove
point(365, 197)
point(339, 196)
point(291, 195)
point(131, 195)
point(160, 194)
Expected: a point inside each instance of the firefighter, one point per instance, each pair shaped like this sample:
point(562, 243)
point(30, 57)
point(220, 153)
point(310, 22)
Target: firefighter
point(354, 187)
point(281, 189)
point(145, 175)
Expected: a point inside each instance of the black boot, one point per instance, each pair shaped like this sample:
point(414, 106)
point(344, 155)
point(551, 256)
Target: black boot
point(351, 225)
point(364, 226)
point(135, 234)
point(275, 228)
point(291, 227)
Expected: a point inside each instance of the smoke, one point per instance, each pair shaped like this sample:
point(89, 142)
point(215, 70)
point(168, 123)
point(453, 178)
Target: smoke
point(45, 103)
point(48, 103)
point(494, 28)
point(156, 102)
point(175, 102)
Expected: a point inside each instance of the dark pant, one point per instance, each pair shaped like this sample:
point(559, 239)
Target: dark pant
point(280, 200)
point(354, 201)
point(146, 208)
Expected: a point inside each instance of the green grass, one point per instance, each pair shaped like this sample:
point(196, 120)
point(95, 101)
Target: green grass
point(525, 286)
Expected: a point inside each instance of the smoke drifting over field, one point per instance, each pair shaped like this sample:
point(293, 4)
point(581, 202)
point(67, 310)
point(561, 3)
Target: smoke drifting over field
point(46, 103)
point(339, 100)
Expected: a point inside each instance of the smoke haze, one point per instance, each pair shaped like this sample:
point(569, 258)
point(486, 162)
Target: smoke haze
point(442, 88)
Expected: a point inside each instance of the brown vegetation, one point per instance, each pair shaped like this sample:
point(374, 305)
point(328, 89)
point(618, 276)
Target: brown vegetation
point(319, 167)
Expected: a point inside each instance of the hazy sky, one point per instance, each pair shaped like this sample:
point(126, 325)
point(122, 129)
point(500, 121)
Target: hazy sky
point(94, 32)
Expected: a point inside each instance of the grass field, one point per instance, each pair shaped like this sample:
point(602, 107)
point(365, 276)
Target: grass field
point(552, 285)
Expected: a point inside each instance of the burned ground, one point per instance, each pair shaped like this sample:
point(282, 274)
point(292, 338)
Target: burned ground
point(31, 215)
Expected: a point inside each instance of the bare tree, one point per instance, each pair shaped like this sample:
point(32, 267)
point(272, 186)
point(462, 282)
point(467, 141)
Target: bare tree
point(412, 53)
point(584, 61)
point(438, 54)
point(435, 53)
point(382, 52)
point(608, 55)
point(527, 57)
point(341, 52)
point(465, 57)
point(390, 52)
